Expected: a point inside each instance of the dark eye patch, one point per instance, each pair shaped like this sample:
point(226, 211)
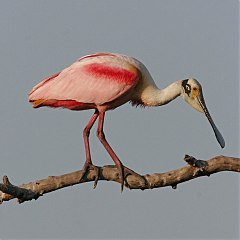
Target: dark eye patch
point(186, 86)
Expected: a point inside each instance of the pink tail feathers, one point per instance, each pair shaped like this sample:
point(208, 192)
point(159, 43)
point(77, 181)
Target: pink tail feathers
point(35, 93)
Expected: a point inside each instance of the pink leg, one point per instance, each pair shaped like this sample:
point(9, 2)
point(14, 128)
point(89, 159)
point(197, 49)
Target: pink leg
point(88, 163)
point(101, 136)
point(86, 133)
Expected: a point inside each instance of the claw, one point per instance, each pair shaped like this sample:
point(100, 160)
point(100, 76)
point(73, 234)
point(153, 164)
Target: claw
point(124, 172)
point(96, 177)
point(87, 166)
point(121, 176)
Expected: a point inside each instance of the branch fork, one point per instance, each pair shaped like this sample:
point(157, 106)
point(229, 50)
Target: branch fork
point(22, 194)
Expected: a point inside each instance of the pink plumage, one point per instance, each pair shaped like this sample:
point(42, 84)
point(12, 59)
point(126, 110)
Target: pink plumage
point(96, 81)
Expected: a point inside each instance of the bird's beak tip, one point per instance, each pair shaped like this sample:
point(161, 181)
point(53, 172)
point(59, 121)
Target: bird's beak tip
point(222, 144)
point(219, 137)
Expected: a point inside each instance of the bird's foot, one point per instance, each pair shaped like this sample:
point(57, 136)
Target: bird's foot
point(124, 172)
point(86, 168)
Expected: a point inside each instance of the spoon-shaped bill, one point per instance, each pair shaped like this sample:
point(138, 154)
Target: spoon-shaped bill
point(218, 135)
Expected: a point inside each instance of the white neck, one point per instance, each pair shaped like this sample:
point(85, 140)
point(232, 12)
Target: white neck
point(153, 96)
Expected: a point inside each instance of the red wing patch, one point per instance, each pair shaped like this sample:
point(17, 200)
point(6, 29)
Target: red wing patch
point(117, 74)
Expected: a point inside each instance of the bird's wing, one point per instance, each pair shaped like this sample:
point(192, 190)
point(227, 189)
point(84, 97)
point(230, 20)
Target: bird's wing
point(97, 79)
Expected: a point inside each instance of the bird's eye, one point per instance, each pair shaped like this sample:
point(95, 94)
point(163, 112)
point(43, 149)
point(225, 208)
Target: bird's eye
point(194, 89)
point(186, 86)
point(187, 89)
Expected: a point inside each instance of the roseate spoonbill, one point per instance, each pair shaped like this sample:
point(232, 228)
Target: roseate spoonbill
point(105, 81)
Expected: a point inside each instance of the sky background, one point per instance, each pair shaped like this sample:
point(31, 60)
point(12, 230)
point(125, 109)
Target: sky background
point(175, 40)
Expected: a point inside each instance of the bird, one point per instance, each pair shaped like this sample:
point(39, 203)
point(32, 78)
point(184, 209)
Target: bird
point(105, 81)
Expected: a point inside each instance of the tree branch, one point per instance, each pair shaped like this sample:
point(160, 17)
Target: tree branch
point(195, 168)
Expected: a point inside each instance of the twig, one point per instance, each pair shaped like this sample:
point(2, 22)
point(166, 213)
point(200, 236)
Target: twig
point(195, 168)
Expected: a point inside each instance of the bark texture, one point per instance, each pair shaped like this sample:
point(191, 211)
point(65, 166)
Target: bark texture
point(194, 168)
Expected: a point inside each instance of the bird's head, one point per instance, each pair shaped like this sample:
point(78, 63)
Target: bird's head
point(192, 94)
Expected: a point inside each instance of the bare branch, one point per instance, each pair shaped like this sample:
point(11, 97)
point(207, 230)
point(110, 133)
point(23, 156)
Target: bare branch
point(195, 168)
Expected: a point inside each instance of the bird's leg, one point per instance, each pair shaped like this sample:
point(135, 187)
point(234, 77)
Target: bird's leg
point(88, 163)
point(101, 136)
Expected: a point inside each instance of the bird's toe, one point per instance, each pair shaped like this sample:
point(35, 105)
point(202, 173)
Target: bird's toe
point(90, 167)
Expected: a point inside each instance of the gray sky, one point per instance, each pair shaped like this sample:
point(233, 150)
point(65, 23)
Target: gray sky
point(175, 40)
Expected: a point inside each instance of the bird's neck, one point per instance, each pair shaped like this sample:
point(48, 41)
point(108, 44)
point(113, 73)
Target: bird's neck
point(157, 97)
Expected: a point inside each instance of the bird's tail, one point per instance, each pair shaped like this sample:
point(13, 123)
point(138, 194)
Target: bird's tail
point(36, 95)
point(37, 103)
